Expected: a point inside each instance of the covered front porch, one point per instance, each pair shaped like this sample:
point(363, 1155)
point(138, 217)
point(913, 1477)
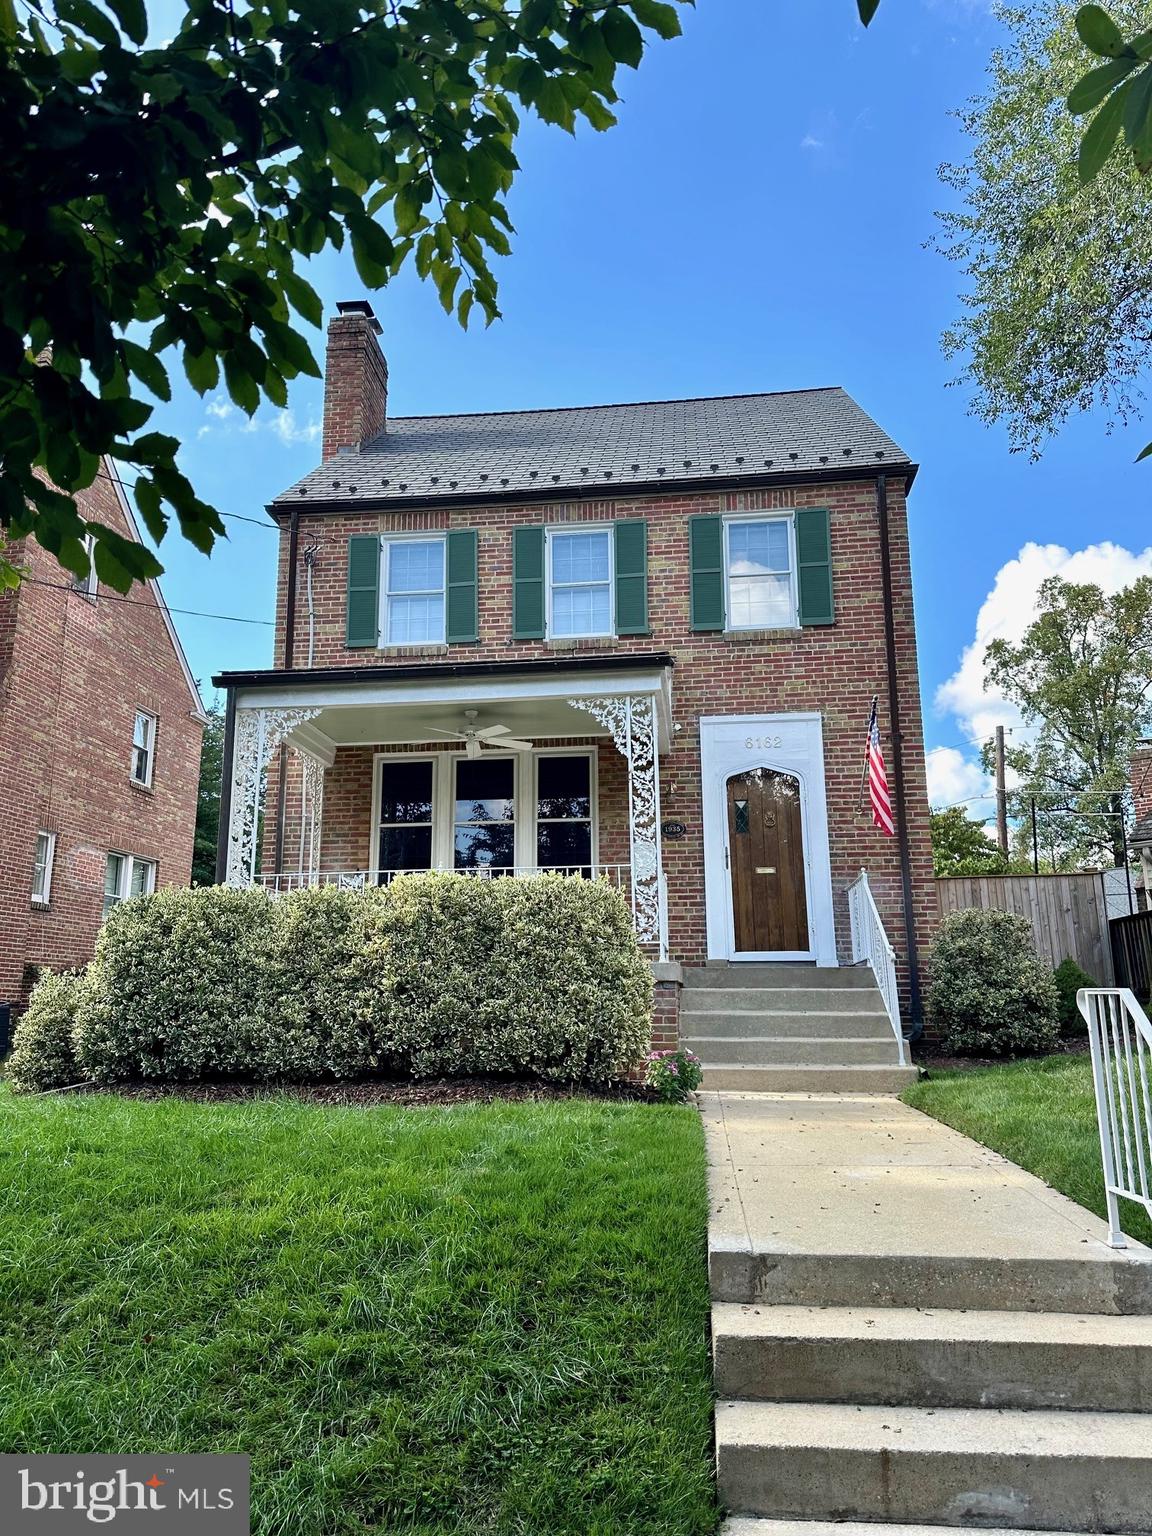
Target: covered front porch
point(352, 776)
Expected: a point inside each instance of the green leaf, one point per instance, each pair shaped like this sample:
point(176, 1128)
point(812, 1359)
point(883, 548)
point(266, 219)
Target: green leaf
point(302, 296)
point(120, 561)
point(1144, 453)
point(132, 17)
point(372, 251)
point(147, 367)
point(622, 37)
point(664, 19)
point(1091, 89)
point(1138, 114)
point(288, 350)
point(1099, 32)
point(90, 19)
point(241, 385)
point(1096, 145)
point(202, 369)
point(867, 9)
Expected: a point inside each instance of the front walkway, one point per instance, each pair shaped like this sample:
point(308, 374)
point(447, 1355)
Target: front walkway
point(910, 1329)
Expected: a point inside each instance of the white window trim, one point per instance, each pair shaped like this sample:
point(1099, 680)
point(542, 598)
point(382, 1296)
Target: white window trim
point(43, 896)
point(146, 782)
point(587, 528)
point(387, 542)
point(130, 861)
point(525, 793)
point(761, 517)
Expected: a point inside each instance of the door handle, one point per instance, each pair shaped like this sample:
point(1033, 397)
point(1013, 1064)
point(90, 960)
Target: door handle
point(765, 869)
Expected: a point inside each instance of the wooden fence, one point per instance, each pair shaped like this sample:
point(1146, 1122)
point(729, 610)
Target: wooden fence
point(1132, 953)
point(1067, 912)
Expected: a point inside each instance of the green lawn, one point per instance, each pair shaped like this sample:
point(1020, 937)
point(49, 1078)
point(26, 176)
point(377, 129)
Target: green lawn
point(484, 1319)
point(1041, 1114)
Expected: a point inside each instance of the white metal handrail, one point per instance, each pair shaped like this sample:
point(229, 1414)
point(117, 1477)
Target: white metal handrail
point(1121, 1040)
point(870, 943)
point(618, 875)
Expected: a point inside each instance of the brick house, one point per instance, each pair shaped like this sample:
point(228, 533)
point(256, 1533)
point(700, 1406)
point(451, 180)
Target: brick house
point(100, 731)
point(640, 640)
point(1140, 840)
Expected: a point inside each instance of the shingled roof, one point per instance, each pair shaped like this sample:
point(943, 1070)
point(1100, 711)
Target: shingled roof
point(727, 438)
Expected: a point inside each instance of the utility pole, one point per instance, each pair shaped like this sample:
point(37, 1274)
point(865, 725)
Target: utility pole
point(1001, 794)
point(1035, 841)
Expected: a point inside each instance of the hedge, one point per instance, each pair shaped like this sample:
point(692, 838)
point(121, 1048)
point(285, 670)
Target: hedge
point(990, 993)
point(432, 975)
point(43, 1050)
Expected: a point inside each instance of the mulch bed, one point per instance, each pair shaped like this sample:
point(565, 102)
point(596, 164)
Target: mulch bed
point(929, 1056)
point(368, 1093)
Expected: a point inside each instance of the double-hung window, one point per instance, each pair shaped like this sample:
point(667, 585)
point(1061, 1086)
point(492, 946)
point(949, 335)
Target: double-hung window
point(564, 812)
point(579, 582)
point(412, 591)
point(125, 876)
point(484, 814)
point(42, 868)
point(759, 564)
point(143, 748)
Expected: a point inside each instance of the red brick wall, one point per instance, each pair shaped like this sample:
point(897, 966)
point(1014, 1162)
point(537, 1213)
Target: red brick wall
point(834, 670)
point(73, 672)
point(1141, 779)
point(355, 382)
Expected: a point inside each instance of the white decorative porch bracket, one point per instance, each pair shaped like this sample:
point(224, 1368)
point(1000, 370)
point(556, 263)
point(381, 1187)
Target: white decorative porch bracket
point(631, 718)
point(258, 734)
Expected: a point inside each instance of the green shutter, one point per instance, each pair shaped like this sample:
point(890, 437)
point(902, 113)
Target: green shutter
point(363, 613)
point(463, 615)
point(814, 565)
point(528, 583)
point(706, 546)
point(632, 577)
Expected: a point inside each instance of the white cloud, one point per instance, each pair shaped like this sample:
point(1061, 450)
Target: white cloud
point(810, 141)
point(225, 417)
point(1005, 614)
point(289, 430)
point(220, 407)
point(954, 779)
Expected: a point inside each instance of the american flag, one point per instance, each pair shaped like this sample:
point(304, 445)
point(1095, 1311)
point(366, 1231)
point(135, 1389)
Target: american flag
point(878, 777)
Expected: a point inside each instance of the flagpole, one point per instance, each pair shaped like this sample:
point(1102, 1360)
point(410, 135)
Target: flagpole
point(868, 747)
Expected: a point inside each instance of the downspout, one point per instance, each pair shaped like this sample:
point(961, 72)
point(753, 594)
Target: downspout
point(899, 798)
point(289, 647)
point(226, 752)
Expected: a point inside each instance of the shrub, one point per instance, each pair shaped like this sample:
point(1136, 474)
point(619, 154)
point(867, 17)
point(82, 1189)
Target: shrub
point(176, 986)
point(539, 976)
point(43, 1054)
point(1069, 979)
point(673, 1074)
point(989, 992)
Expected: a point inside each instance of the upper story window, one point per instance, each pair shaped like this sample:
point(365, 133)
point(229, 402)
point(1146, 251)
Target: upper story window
point(126, 876)
point(412, 591)
point(42, 868)
point(759, 563)
point(88, 584)
point(579, 582)
point(143, 748)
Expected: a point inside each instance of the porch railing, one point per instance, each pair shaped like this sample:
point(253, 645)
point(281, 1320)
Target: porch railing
point(870, 943)
point(1121, 1040)
point(618, 875)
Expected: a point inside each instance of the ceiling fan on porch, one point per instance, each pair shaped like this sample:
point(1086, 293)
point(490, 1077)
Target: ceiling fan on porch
point(476, 739)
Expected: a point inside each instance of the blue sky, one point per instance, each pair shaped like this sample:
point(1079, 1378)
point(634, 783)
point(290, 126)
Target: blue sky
point(757, 221)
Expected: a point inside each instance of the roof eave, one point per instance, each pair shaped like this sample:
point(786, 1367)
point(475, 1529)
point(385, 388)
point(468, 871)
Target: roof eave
point(283, 505)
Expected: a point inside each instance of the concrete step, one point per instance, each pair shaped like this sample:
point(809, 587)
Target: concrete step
point(798, 1078)
point(750, 1525)
point(760, 974)
point(936, 1358)
point(783, 1000)
point(795, 1050)
point(1017, 1469)
point(745, 1024)
point(1107, 1281)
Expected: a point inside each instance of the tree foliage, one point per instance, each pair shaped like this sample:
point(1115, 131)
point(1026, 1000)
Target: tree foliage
point(1059, 272)
point(158, 201)
point(1082, 676)
point(208, 799)
point(961, 846)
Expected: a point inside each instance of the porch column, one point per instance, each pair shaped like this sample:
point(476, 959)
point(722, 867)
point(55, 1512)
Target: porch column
point(631, 718)
point(258, 733)
point(311, 812)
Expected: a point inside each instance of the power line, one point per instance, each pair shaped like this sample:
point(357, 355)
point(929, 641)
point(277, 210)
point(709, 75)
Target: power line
point(142, 602)
point(236, 517)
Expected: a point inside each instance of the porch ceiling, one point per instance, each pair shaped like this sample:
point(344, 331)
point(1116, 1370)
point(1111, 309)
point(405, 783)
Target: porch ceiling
point(389, 725)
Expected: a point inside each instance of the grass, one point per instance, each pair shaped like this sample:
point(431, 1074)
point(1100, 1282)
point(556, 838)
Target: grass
point(487, 1319)
point(1041, 1114)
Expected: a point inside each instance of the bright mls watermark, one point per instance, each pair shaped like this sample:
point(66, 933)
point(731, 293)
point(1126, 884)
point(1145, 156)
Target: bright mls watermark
point(60, 1495)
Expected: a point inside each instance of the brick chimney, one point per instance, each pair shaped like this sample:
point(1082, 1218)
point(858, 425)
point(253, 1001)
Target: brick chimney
point(1140, 777)
point(355, 380)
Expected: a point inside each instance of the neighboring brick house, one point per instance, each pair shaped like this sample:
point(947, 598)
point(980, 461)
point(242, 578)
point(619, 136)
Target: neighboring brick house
point(100, 731)
point(1140, 841)
point(639, 639)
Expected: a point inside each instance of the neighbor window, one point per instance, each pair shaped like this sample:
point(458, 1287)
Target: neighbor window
point(87, 584)
point(125, 876)
point(579, 582)
point(405, 815)
point(42, 868)
point(758, 560)
point(412, 591)
point(143, 747)
point(484, 817)
point(564, 812)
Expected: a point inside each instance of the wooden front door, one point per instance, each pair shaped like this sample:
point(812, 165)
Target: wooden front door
point(766, 863)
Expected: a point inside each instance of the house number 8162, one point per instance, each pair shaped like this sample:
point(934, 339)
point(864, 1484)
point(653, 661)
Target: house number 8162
point(762, 741)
